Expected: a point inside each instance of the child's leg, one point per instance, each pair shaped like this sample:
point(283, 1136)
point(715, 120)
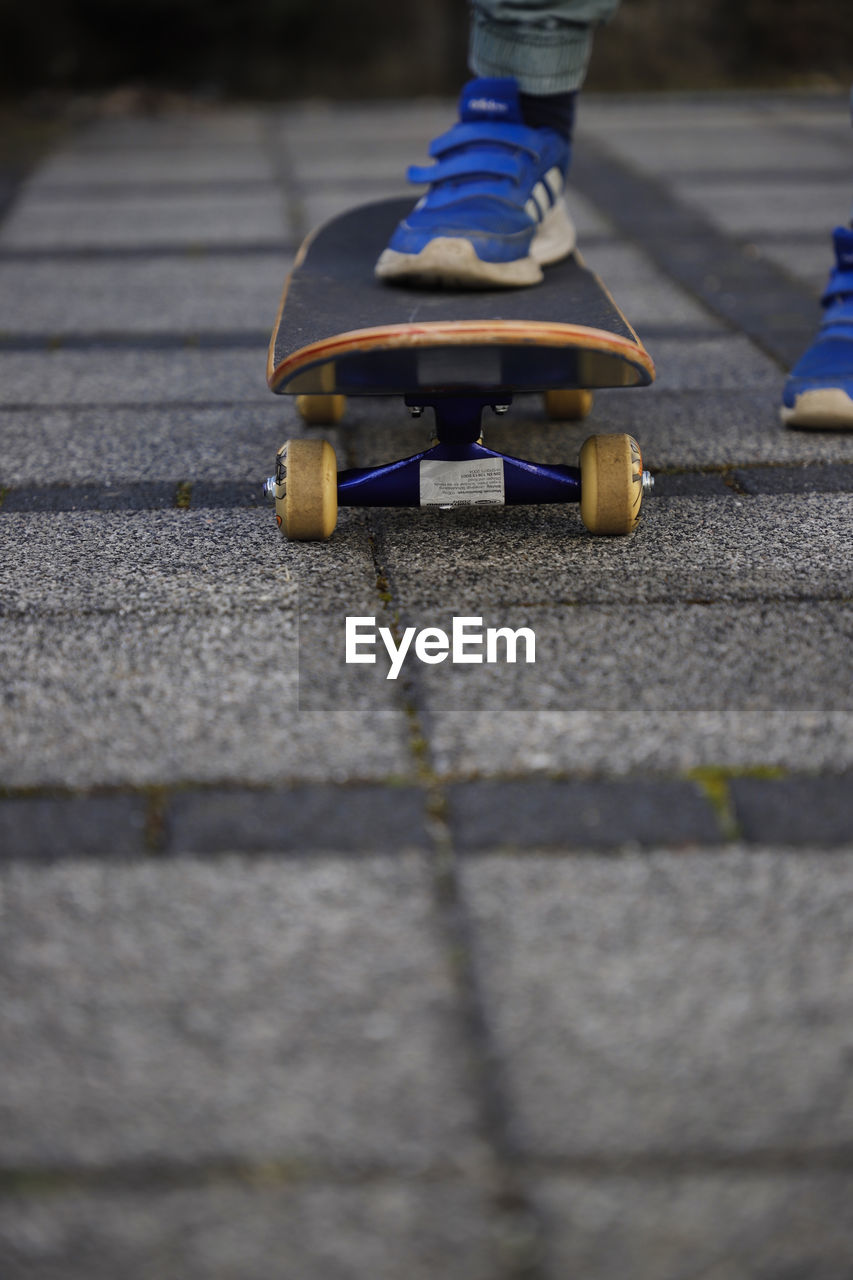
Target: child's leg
point(494, 211)
point(544, 45)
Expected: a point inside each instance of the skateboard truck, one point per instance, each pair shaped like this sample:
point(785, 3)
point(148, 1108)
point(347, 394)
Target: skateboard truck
point(458, 470)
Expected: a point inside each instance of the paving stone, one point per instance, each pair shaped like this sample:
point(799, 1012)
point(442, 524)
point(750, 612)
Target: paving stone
point(808, 260)
point(154, 165)
point(677, 658)
point(355, 818)
point(685, 549)
point(707, 428)
point(191, 131)
point(49, 827)
point(384, 1230)
point(814, 810)
point(184, 1012)
point(733, 1224)
point(678, 151)
point(745, 207)
point(711, 364)
point(691, 484)
point(543, 812)
point(176, 563)
point(807, 479)
point(82, 497)
point(260, 1046)
point(106, 446)
point(144, 221)
point(683, 1024)
point(487, 742)
point(95, 375)
point(217, 294)
point(147, 644)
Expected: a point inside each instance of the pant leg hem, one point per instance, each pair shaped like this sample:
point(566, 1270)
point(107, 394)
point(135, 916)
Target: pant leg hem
point(547, 60)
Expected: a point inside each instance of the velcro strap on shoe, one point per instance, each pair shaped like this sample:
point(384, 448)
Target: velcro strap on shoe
point(516, 136)
point(840, 285)
point(469, 164)
point(448, 194)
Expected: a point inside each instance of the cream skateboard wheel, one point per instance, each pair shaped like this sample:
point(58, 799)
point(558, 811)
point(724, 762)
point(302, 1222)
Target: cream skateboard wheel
point(321, 410)
point(569, 405)
point(611, 483)
point(306, 489)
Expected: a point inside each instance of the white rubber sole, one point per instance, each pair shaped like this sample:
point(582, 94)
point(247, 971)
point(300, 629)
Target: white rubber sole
point(824, 409)
point(453, 262)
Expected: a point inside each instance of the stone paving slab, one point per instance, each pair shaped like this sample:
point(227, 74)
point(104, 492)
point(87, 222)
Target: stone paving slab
point(107, 445)
point(808, 260)
point(483, 1062)
point(699, 363)
point(178, 562)
point(143, 221)
point(122, 651)
point(157, 165)
point(749, 549)
point(137, 375)
point(676, 147)
point(515, 814)
point(818, 808)
point(235, 128)
point(519, 739)
point(44, 827)
point(352, 819)
point(301, 1013)
point(693, 1015)
point(810, 208)
point(217, 294)
point(713, 428)
point(380, 1229)
point(684, 658)
point(725, 1224)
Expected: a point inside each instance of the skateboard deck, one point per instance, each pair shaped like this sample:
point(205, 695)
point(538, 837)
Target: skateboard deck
point(340, 330)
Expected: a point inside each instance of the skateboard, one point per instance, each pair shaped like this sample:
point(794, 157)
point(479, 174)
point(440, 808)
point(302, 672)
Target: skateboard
point(457, 352)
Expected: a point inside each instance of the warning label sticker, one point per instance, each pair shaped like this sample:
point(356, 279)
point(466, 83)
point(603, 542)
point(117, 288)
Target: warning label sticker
point(473, 483)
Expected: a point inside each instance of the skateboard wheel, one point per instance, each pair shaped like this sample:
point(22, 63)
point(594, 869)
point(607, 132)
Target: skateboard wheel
point(568, 405)
point(321, 410)
point(611, 483)
point(306, 489)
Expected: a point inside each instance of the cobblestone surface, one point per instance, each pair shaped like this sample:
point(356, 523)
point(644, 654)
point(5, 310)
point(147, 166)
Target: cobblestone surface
point(525, 970)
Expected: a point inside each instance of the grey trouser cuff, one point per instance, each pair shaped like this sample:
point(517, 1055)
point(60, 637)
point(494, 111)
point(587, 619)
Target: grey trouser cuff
point(545, 46)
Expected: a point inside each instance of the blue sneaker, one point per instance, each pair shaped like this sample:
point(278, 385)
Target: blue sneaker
point(494, 213)
point(819, 391)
